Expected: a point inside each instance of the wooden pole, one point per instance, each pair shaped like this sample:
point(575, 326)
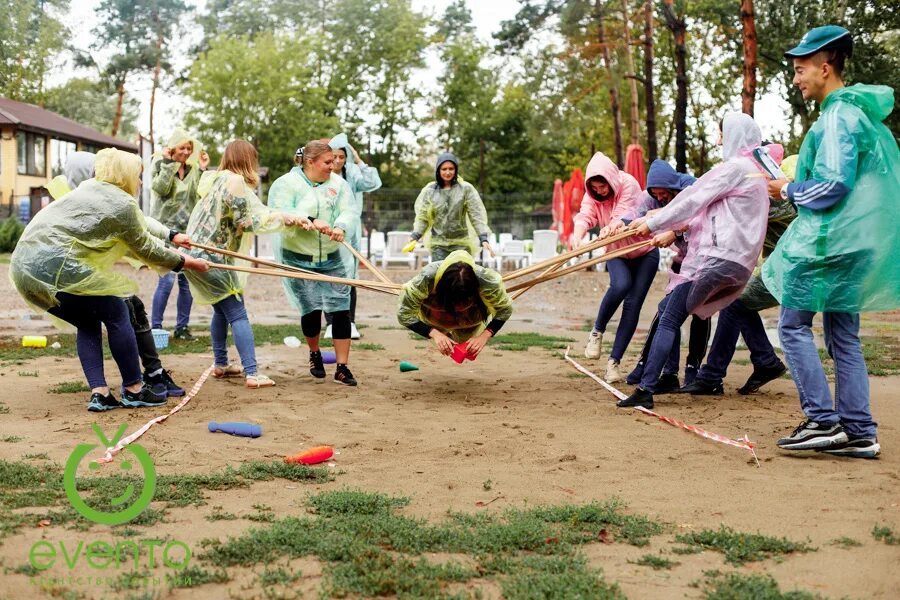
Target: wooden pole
point(370, 285)
point(375, 270)
point(566, 256)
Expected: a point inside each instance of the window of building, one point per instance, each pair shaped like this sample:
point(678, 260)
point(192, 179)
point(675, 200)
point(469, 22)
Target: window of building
point(60, 151)
point(31, 154)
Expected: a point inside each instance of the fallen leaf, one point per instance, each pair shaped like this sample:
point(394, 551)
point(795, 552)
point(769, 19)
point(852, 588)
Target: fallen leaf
point(605, 536)
point(44, 523)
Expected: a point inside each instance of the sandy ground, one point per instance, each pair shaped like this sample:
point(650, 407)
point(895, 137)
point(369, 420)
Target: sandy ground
point(519, 419)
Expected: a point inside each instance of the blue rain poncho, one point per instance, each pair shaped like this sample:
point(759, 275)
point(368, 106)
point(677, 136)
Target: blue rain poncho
point(844, 258)
point(361, 179)
point(71, 245)
point(418, 302)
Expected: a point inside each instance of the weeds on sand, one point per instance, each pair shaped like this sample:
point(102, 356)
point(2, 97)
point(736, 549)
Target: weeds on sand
point(519, 342)
point(846, 543)
point(70, 387)
point(736, 586)
point(740, 548)
point(886, 535)
point(656, 562)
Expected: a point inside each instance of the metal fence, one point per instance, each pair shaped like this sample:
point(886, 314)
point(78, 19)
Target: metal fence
point(393, 210)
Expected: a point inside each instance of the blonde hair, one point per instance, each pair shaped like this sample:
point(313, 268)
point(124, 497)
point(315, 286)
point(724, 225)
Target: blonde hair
point(241, 157)
point(121, 169)
point(313, 150)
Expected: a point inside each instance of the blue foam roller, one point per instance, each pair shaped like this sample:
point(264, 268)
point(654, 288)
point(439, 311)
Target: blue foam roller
point(241, 429)
point(328, 357)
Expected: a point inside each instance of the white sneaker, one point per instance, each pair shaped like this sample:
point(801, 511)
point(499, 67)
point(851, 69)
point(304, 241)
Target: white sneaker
point(354, 332)
point(613, 374)
point(328, 333)
point(594, 345)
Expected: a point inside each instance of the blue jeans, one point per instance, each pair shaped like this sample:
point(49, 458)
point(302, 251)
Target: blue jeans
point(673, 312)
point(629, 281)
point(851, 379)
point(87, 314)
point(161, 299)
point(738, 320)
point(231, 311)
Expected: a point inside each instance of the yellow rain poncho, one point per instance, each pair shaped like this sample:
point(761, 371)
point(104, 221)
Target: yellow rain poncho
point(419, 303)
point(450, 213)
point(227, 216)
point(70, 246)
point(173, 199)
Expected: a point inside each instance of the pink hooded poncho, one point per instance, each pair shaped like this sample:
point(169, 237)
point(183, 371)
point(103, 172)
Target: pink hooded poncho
point(727, 210)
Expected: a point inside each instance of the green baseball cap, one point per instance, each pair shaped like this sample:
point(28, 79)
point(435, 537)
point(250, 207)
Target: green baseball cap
point(827, 37)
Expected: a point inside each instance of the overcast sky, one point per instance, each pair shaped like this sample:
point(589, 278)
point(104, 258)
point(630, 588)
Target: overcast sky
point(487, 16)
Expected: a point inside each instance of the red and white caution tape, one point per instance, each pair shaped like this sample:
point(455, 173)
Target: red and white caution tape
point(110, 452)
point(743, 443)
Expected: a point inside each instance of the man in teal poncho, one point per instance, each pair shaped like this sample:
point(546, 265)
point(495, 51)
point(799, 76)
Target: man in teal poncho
point(839, 256)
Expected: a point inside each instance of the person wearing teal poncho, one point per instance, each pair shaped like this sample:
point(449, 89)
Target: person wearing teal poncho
point(839, 255)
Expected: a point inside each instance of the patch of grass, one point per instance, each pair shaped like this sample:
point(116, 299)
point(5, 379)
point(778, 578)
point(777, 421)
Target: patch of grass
point(740, 548)
point(37, 456)
point(279, 576)
point(487, 485)
point(27, 569)
point(70, 387)
point(846, 543)
point(389, 328)
point(881, 353)
point(886, 535)
point(576, 375)
point(29, 374)
point(519, 342)
point(687, 550)
point(12, 439)
point(267, 471)
point(195, 576)
point(218, 515)
point(737, 586)
point(370, 550)
point(4, 409)
point(656, 562)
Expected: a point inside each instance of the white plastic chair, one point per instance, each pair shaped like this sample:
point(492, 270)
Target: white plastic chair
point(515, 252)
point(483, 257)
point(505, 237)
point(376, 240)
point(364, 246)
point(545, 241)
point(264, 247)
point(393, 251)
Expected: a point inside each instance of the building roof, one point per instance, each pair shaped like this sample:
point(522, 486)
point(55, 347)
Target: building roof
point(34, 118)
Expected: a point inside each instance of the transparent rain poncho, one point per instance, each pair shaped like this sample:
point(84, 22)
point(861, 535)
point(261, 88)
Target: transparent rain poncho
point(360, 179)
point(844, 258)
point(173, 199)
point(727, 212)
point(419, 303)
point(71, 245)
point(227, 216)
point(451, 215)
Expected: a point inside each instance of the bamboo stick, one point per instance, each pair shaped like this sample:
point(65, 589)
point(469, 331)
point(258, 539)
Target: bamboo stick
point(375, 270)
point(370, 285)
point(566, 256)
point(552, 269)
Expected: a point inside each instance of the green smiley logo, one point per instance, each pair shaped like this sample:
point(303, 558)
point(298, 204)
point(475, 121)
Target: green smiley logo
point(131, 511)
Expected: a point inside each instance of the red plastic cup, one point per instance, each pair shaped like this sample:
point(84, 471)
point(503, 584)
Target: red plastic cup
point(459, 353)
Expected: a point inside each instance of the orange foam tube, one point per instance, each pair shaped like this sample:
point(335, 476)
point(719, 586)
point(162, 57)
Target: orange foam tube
point(312, 456)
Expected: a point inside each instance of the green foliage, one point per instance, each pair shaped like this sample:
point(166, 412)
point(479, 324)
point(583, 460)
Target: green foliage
point(656, 562)
point(885, 534)
point(10, 231)
point(70, 387)
point(93, 103)
point(737, 586)
point(519, 342)
point(32, 35)
point(846, 543)
point(740, 548)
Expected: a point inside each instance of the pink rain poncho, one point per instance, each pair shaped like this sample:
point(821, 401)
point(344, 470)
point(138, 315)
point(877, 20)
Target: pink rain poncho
point(599, 213)
point(727, 210)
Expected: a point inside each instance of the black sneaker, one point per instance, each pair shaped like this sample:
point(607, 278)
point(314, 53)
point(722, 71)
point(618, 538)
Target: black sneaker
point(811, 435)
point(702, 387)
point(667, 384)
point(316, 365)
point(857, 447)
point(156, 385)
point(690, 374)
point(101, 403)
point(145, 398)
point(640, 397)
point(343, 376)
point(761, 377)
point(183, 333)
point(172, 388)
point(634, 377)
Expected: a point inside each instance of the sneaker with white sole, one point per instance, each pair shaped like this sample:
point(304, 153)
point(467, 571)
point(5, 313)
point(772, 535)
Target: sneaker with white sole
point(327, 335)
point(594, 345)
point(254, 382)
point(811, 435)
point(354, 332)
point(857, 447)
point(613, 374)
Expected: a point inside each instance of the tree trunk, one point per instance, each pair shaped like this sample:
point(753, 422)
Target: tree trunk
point(156, 71)
point(748, 24)
point(481, 166)
point(632, 75)
point(613, 88)
point(649, 98)
point(678, 28)
point(118, 118)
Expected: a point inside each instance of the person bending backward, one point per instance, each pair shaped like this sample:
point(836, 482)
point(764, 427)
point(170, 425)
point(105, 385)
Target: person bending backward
point(455, 301)
point(361, 178)
point(315, 191)
point(609, 195)
point(726, 209)
point(663, 186)
point(447, 206)
point(63, 263)
point(226, 216)
point(175, 174)
point(79, 168)
point(839, 256)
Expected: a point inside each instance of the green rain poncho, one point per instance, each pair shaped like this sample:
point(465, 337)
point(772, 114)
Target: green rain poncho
point(173, 199)
point(418, 302)
point(844, 258)
point(227, 216)
point(448, 213)
point(71, 245)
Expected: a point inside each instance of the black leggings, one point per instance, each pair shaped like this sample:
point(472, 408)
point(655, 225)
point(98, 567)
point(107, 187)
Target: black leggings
point(146, 347)
point(311, 324)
